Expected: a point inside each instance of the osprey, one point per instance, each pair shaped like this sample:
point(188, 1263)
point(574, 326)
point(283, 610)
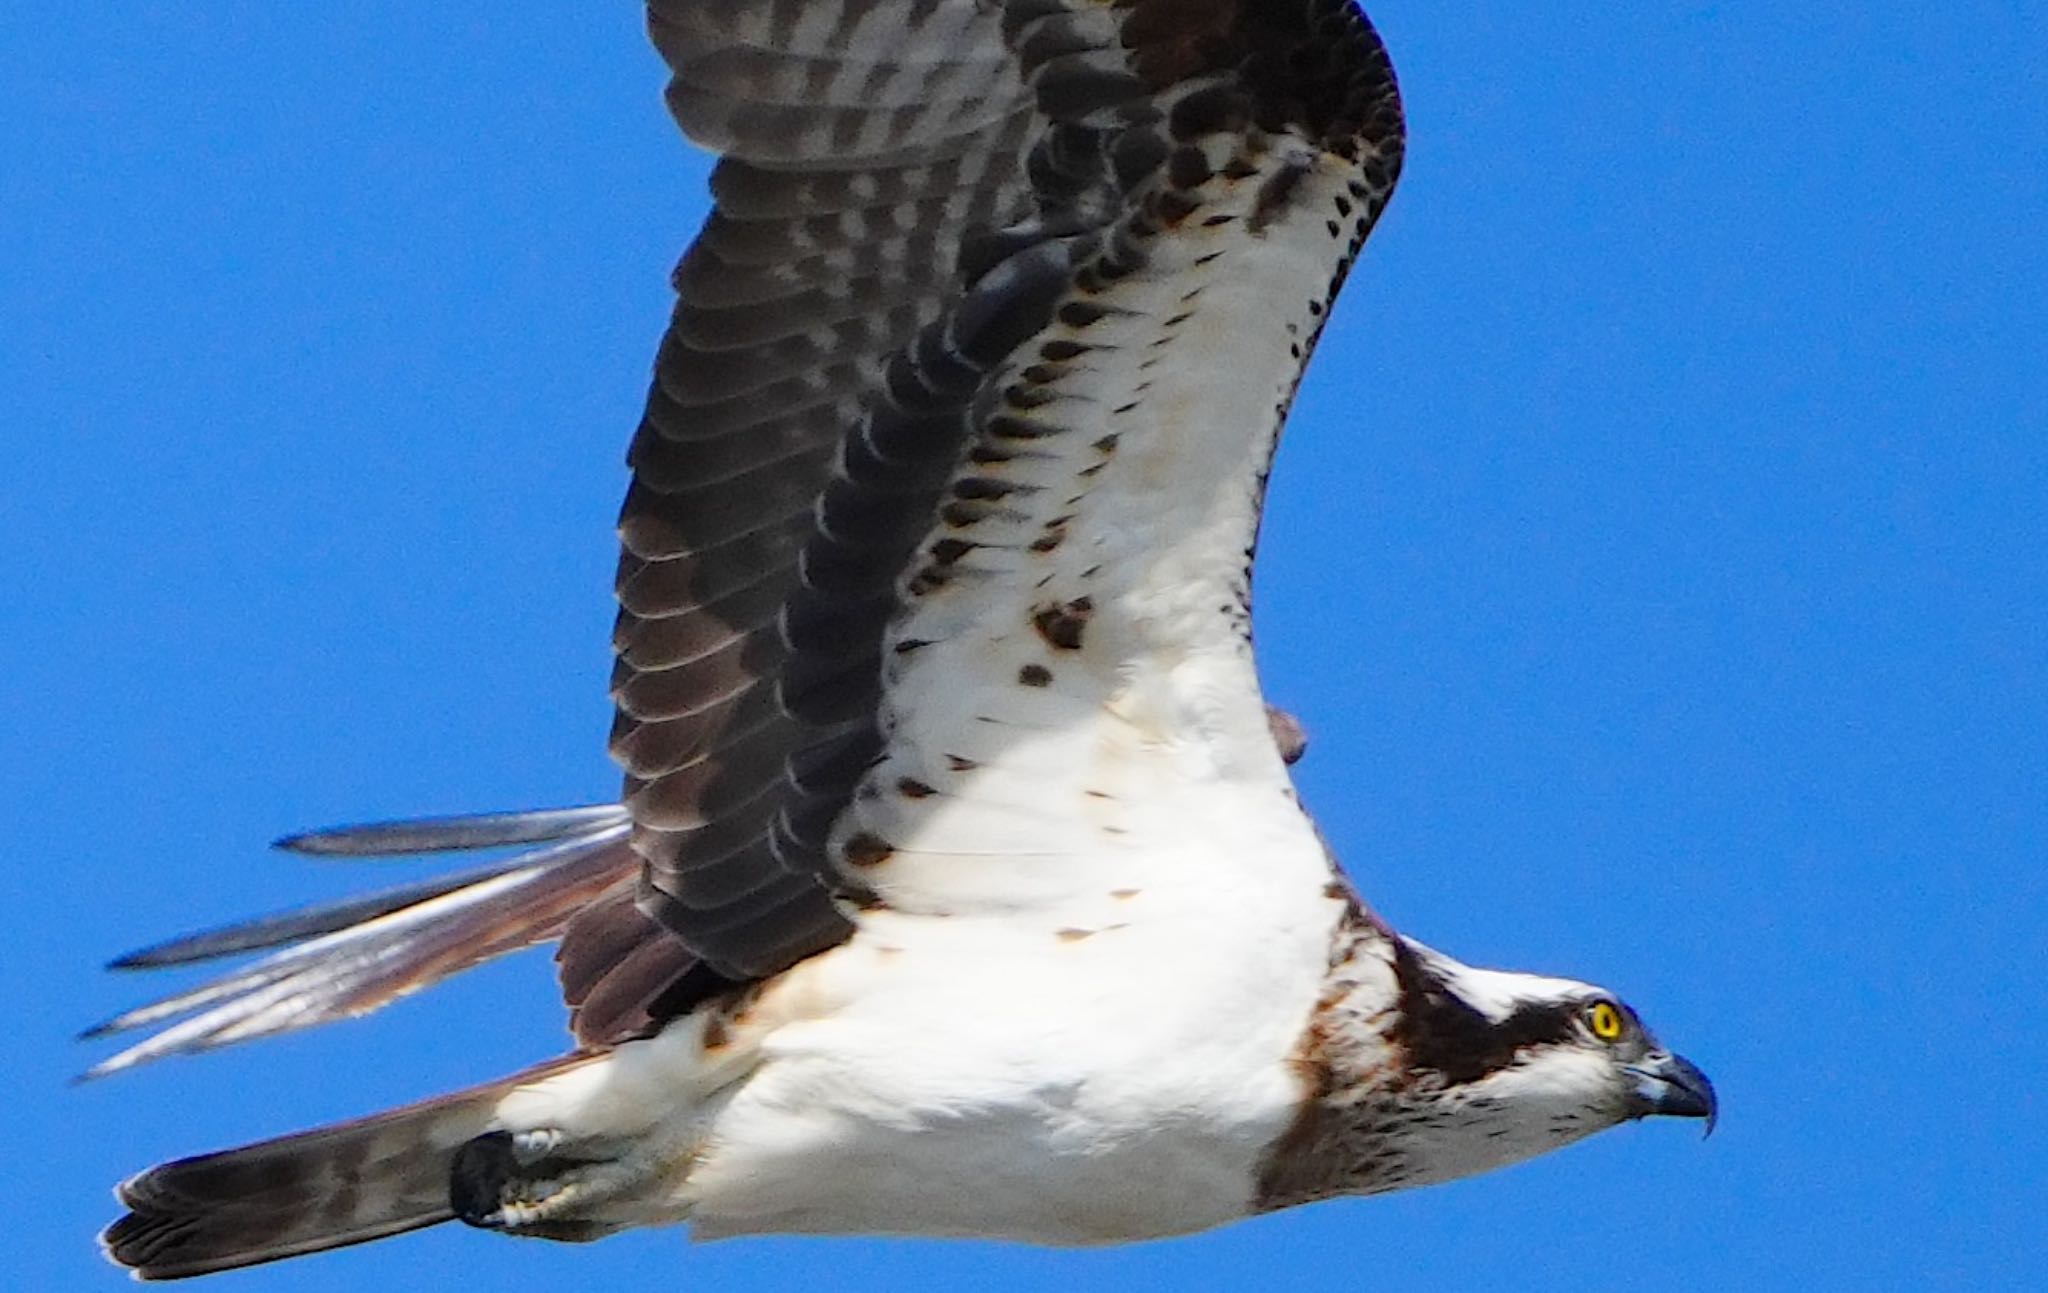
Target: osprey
point(958, 886)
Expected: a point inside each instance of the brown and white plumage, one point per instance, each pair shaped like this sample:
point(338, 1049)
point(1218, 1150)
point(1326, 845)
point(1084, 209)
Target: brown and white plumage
point(935, 698)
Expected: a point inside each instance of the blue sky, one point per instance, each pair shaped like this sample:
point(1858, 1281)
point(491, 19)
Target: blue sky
point(1659, 559)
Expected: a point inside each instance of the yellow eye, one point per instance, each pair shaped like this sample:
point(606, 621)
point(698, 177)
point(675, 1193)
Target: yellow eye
point(1605, 1021)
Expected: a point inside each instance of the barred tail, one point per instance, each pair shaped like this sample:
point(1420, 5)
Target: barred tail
point(304, 1193)
point(347, 958)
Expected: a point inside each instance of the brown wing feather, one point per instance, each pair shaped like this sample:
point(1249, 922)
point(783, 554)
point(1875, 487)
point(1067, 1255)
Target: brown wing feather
point(906, 189)
point(857, 161)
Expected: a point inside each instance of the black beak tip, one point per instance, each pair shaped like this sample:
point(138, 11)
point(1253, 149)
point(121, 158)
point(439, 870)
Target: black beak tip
point(1673, 1086)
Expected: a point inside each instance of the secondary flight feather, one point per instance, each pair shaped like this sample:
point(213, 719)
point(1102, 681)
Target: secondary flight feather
point(942, 740)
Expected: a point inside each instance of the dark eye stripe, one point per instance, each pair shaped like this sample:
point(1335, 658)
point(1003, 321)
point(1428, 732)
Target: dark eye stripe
point(1539, 1022)
point(1441, 1034)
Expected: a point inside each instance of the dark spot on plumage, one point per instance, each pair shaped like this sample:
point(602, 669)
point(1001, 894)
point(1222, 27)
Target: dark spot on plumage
point(1171, 206)
point(1086, 472)
point(867, 849)
point(1078, 314)
point(1048, 541)
point(988, 455)
point(1276, 194)
point(1018, 395)
point(1108, 269)
point(1070, 88)
point(928, 580)
point(1060, 350)
point(1035, 675)
point(1071, 935)
point(984, 487)
point(1064, 625)
point(961, 515)
point(961, 763)
point(1044, 374)
point(912, 788)
point(1010, 428)
point(1135, 155)
point(948, 551)
point(1213, 110)
point(1187, 168)
point(907, 645)
point(1105, 444)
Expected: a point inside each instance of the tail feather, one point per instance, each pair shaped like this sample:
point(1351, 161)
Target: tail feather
point(326, 1188)
point(347, 958)
point(461, 834)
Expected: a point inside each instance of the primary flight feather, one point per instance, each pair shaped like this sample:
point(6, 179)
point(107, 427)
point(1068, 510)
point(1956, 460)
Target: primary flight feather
point(956, 833)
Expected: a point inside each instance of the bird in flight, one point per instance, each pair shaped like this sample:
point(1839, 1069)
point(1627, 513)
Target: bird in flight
point(959, 886)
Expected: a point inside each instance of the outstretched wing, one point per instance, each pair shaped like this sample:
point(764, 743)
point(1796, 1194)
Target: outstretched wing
point(864, 145)
point(942, 323)
point(952, 459)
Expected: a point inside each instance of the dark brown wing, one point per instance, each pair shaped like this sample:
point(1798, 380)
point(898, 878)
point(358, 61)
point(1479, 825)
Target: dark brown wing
point(861, 150)
point(907, 187)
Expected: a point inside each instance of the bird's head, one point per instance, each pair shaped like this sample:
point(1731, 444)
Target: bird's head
point(1500, 1066)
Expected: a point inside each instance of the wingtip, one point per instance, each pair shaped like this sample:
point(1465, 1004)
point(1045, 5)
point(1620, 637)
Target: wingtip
point(104, 1027)
point(457, 834)
point(152, 957)
point(94, 1073)
point(112, 1064)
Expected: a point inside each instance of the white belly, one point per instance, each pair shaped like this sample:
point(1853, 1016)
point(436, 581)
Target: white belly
point(1011, 1083)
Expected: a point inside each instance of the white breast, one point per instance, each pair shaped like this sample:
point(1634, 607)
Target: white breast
point(1015, 1078)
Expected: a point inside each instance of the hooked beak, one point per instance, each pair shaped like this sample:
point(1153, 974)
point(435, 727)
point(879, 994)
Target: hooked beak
point(1674, 1086)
